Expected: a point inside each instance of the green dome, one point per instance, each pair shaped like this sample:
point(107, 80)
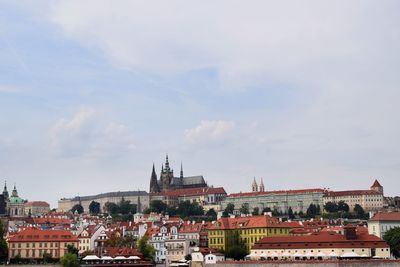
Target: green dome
point(16, 200)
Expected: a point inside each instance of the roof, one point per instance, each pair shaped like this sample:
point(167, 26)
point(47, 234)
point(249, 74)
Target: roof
point(278, 192)
point(111, 194)
point(260, 221)
point(37, 203)
point(51, 220)
point(198, 191)
point(115, 251)
point(39, 235)
point(376, 184)
point(386, 216)
point(320, 240)
point(351, 193)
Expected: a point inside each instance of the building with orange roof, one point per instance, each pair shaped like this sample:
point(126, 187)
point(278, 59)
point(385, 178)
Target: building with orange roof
point(32, 243)
point(369, 200)
point(381, 222)
point(321, 245)
point(227, 232)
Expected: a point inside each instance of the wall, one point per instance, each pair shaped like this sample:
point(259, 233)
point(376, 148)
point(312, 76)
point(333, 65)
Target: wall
point(347, 263)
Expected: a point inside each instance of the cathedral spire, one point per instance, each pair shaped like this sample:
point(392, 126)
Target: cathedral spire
point(153, 182)
point(254, 186)
point(5, 190)
point(261, 187)
point(181, 174)
point(166, 163)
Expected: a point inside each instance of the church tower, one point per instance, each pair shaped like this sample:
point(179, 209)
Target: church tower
point(261, 187)
point(377, 187)
point(154, 188)
point(254, 186)
point(5, 191)
point(166, 176)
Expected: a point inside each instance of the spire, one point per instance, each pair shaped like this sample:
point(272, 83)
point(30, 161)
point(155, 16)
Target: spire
point(181, 174)
point(254, 186)
point(14, 192)
point(261, 187)
point(5, 190)
point(153, 182)
point(166, 163)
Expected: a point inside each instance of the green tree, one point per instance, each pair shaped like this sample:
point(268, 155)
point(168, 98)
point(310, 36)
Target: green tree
point(228, 210)
point(236, 252)
point(125, 207)
point(94, 207)
point(342, 206)
point(290, 213)
point(266, 209)
point(47, 258)
point(312, 211)
point(186, 209)
point(392, 237)
point(69, 260)
point(331, 207)
point(78, 208)
point(158, 206)
point(359, 212)
point(244, 209)
point(211, 214)
point(111, 208)
point(3, 244)
point(73, 250)
point(146, 249)
point(256, 211)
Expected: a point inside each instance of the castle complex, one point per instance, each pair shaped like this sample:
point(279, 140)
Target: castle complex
point(168, 182)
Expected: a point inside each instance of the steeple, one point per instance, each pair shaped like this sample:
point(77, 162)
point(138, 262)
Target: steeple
point(181, 174)
point(254, 186)
point(14, 192)
point(5, 191)
point(261, 187)
point(167, 164)
point(153, 182)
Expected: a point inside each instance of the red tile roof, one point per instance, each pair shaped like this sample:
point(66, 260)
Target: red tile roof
point(51, 220)
point(39, 235)
point(115, 251)
point(193, 191)
point(191, 228)
point(278, 192)
point(376, 184)
point(351, 193)
point(386, 216)
point(320, 240)
point(37, 203)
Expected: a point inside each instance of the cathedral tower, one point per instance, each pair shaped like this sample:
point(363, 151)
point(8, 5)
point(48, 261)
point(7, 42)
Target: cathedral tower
point(254, 186)
point(154, 188)
point(261, 187)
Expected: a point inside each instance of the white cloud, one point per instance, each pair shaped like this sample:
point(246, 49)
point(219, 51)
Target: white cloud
point(209, 131)
point(86, 134)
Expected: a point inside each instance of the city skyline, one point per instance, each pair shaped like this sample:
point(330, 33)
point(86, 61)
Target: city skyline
point(92, 94)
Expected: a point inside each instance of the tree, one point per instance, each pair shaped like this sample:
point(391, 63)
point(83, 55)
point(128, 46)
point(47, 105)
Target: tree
point(236, 252)
point(312, 211)
point(3, 244)
point(186, 209)
point(94, 207)
point(256, 211)
point(158, 206)
point(392, 237)
point(73, 250)
point(47, 258)
point(211, 214)
point(266, 209)
point(125, 207)
point(359, 212)
point(290, 213)
point(78, 208)
point(146, 249)
point(342, 206)
point(244, 209)
point(111, 208)
point(228, 210)
point(331, 206)
point(69, 260)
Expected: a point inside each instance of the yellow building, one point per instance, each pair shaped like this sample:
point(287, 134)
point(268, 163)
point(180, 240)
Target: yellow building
point(226, 232)
point(32, 243)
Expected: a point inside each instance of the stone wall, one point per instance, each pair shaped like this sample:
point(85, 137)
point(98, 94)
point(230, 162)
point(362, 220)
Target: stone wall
point(347, 263)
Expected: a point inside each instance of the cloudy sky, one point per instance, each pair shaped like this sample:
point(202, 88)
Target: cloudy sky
point(303, 94)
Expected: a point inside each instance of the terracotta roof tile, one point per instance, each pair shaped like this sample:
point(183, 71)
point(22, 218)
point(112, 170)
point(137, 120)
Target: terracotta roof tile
point(39, 235)
point(386, 216)
point(278, 192)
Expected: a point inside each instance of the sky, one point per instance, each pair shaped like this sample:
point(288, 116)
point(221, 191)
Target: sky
point(301, 94)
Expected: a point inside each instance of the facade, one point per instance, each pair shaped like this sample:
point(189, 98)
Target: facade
point(36, 208)
point(369, 200)
point(168, 182)
point(177, 249)
point(226, 232)
point(204, 196)
point(322, 245)
point(135, 197)
point(33, 243)
point(15, 204)
point(381, 222)
point(298, 200)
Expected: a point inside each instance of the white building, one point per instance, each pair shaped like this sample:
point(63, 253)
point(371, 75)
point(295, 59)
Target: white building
point(381, 222)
